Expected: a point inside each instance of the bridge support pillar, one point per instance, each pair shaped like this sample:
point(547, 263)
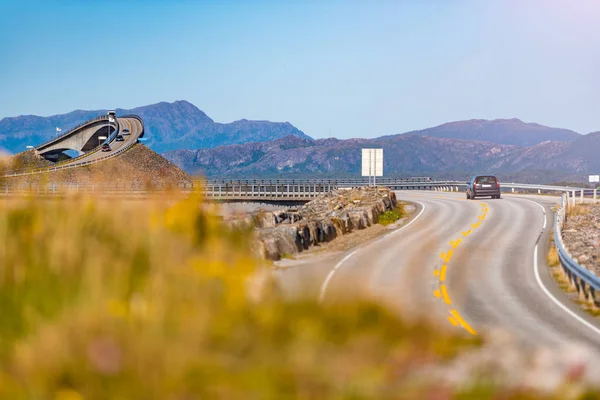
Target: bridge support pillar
point(513, 190)
point(457, 188)
point(539, 191)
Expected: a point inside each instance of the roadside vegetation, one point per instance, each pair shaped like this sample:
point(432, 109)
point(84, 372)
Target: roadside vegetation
point(159, 300)
point(579, 209)
point(557, 272)
point(391, 216)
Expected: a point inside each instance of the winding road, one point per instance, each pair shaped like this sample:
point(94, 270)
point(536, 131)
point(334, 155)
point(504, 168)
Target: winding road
point(471, 265)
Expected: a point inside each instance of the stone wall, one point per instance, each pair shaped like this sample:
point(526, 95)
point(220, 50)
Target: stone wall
point(283, 233)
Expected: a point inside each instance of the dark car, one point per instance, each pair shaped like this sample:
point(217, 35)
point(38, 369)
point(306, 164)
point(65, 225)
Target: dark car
point(120, 138)
point(105, 147)
point(483, 185)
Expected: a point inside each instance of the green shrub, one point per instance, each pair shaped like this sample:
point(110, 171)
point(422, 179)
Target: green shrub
point(391, 216)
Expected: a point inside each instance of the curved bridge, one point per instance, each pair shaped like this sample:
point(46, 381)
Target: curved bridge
point(86, 140)
point(81, 139)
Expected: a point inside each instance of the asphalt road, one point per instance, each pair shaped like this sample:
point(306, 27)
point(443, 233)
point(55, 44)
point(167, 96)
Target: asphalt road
point(134, 126)
point(469, 265)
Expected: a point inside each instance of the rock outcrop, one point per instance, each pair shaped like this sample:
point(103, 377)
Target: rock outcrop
point(283, 233)
point(582, 237)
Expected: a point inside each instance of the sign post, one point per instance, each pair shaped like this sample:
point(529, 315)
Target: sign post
point(594, 178)
point(372, 164)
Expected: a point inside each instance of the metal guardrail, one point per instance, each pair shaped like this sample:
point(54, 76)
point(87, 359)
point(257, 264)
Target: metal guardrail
point(255, 190)
point(586, 282)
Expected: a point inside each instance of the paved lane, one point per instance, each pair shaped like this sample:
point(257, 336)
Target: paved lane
point(466, 264)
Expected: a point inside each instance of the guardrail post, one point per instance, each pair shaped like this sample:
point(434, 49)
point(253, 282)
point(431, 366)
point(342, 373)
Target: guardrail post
point(595, 189)
point(513, 190)
point(581, 196)
point(573, 197)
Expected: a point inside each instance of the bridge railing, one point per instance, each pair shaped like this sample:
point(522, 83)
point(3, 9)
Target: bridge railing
point(585, 282)
point(70, 131)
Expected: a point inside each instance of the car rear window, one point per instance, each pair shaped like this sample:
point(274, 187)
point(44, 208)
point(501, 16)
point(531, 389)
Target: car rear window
point(485, 179)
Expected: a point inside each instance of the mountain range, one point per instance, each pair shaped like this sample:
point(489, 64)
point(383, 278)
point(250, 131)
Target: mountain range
point(189, 138)
point(569, 156)
point(503, 131)
point(169, 126)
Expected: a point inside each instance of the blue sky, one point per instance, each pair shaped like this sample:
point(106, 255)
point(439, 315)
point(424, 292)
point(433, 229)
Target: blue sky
point(331, 68)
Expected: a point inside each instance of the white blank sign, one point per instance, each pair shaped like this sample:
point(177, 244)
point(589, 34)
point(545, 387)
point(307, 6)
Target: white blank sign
point(594, 178)
point(372, 162)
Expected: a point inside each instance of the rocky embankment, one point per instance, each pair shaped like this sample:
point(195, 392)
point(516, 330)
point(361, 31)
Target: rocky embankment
point(581, 235)
point(285, 232)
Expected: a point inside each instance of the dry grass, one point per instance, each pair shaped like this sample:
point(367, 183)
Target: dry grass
point(552, 258)
point(153, 300)
point(579, 209)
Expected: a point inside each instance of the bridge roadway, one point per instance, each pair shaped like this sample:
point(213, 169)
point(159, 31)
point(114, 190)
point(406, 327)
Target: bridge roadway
point(134, 126)
point(496, 277)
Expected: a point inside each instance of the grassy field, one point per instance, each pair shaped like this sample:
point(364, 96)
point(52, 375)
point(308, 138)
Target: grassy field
point(157, 300)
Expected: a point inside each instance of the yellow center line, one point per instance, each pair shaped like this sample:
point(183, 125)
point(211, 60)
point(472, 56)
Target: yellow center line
point(446, 256)
point(455, 319)
point(464, 323)
point(443, 273)
point(445, 294)
point(455, 243)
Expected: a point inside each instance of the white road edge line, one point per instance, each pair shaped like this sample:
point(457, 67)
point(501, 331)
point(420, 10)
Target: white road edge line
point(545, 290)
point(339, 264)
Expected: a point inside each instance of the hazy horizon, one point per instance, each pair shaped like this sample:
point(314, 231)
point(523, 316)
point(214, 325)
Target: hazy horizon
point(331, 68)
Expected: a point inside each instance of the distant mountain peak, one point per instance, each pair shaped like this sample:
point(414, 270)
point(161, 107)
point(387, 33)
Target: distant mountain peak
point(168, 126)
point(512, 131)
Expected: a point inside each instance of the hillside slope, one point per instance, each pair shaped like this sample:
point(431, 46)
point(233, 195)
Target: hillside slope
point(403, 155)
point(139, 165)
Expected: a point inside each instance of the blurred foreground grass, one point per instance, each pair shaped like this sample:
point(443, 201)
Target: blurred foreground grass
point(153, 300)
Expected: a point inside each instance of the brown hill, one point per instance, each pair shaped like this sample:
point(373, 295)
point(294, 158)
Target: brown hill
point(139, 165)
